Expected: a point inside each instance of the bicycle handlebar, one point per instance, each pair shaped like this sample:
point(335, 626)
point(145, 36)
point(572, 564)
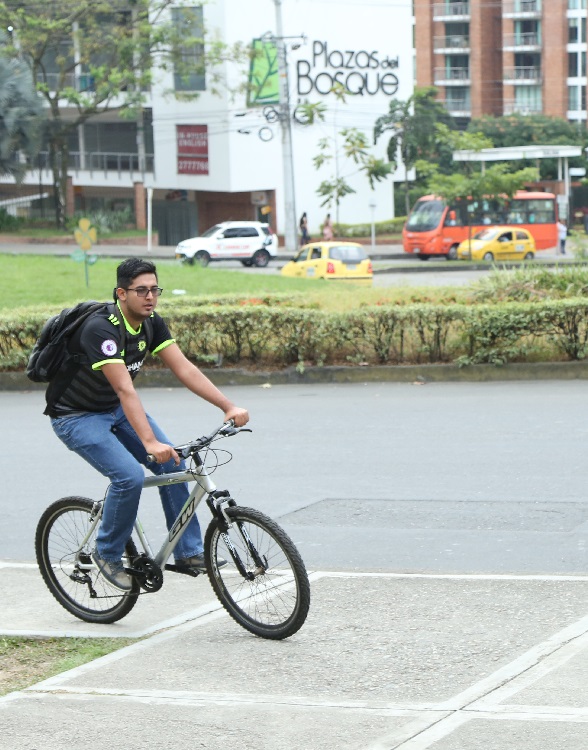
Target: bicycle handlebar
point(228, 429)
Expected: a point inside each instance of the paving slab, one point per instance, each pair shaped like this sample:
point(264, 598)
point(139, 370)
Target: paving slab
point(368, 638)
point(28, 608)
point(185, 725)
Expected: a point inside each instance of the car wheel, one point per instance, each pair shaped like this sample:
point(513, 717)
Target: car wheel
point(261, 258)
point(452, 254)
point(489, 257)
point(529, 256)
point(247, 263)
point(202, 258)
point(423, 257)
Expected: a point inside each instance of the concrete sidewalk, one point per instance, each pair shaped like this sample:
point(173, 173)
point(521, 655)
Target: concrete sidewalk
point(447, 662)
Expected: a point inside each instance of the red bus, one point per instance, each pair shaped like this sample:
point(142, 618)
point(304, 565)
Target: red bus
point(434, 229)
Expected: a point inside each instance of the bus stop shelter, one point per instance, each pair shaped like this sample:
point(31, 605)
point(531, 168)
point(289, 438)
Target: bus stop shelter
point(514, 153)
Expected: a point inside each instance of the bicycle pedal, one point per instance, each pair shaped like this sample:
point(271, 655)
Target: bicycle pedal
point(184, 571)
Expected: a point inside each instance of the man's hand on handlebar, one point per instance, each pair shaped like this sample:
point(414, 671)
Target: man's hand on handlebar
point(238, 415)
point(160, 453)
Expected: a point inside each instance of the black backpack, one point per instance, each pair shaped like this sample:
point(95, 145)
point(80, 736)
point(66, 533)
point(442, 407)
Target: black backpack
point(50, 355)
point(51, 360)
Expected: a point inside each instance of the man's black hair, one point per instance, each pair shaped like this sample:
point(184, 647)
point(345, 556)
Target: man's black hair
point(129, 269)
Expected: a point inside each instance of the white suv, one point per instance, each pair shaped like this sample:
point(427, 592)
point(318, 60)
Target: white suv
point(251, 242)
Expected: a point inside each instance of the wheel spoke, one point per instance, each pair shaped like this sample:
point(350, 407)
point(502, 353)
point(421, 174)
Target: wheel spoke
point(272, 602)
point(65, 564)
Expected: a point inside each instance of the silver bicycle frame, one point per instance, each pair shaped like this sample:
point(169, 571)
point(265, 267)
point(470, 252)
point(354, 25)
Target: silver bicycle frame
point(204, 486)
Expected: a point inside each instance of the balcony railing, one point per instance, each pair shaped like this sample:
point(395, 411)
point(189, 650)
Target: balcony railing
point(450, 11)
point(81, 82)
point(512, 108)
point(522, 75)
point(517, 41)
point(99, 161)
point(523, 8)
point(459, 76)
point(459, 107)
point(452, 42)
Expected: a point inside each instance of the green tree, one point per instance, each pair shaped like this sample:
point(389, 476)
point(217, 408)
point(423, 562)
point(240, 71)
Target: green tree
point(88, 57)
point(411, 124)
point(530, 130)
point(20, 117)
point(355, 148)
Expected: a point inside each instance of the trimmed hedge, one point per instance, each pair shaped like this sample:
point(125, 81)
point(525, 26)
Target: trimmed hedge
point(277, 334)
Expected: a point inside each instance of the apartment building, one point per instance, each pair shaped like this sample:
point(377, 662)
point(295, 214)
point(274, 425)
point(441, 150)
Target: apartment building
point(500, 57)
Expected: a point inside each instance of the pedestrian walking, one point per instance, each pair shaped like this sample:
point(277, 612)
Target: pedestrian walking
point(562, 233)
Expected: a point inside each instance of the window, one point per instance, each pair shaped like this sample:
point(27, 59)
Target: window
point(457, 67)
point(527, 32)
point(576, 98)
point(574, 30)
point(58, 65)
point(573, 98)
point(189, 73)
point(576, 4)
point(457, 99)
point(425, 216)
point(528, 99)
point(537, 211)
point(576, 64)
point(347, 254)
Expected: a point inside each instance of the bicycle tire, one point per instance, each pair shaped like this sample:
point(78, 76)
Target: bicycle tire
point(60, 532)
point(275, 603)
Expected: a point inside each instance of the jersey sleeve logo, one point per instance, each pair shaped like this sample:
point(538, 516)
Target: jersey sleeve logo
point(108, 347)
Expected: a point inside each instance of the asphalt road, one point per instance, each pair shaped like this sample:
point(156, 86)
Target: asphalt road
point(445, 477)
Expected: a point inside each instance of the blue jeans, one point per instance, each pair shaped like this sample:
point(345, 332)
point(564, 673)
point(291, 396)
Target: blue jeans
point(107, 442)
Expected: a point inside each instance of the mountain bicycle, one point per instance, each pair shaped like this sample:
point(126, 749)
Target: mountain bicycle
point(254, 567)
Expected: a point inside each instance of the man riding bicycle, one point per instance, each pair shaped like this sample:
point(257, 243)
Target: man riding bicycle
point(100, 417)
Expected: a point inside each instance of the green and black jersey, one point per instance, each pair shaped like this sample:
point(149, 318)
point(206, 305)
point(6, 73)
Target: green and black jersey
point(101, 341)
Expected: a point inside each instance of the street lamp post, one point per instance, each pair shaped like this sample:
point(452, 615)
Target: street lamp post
point(291, 230)
point(373, 209)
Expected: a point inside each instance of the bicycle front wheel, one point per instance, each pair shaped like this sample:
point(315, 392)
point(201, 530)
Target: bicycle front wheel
point(67, 569)
point(264, 585)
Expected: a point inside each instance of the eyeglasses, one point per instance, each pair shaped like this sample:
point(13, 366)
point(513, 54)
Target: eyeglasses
point(143, 291)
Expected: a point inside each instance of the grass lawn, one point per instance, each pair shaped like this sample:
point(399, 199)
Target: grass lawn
point(25, 661)
point(39, 280)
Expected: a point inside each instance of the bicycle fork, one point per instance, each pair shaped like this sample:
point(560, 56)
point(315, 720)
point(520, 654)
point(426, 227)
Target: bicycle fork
point(218, 502)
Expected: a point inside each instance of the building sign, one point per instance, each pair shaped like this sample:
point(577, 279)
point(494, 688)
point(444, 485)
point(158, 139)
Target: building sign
point(264, 83)
point(359, 72)
point(192, 143)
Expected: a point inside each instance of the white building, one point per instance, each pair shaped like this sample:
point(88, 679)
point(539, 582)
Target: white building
point(217, 158)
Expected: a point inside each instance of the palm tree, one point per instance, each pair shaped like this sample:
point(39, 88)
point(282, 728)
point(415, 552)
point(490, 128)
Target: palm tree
point(20, 117)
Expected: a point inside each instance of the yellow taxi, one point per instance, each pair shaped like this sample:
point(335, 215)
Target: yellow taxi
point(333, 261)
point(498, 243)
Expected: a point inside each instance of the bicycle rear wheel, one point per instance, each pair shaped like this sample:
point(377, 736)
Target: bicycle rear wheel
point(65, 564)
point(270, 595)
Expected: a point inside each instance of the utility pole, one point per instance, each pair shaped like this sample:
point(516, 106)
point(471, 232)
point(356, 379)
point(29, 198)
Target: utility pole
point(291, 226)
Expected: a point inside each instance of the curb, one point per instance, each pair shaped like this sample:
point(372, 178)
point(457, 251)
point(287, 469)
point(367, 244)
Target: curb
point(154, 378)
